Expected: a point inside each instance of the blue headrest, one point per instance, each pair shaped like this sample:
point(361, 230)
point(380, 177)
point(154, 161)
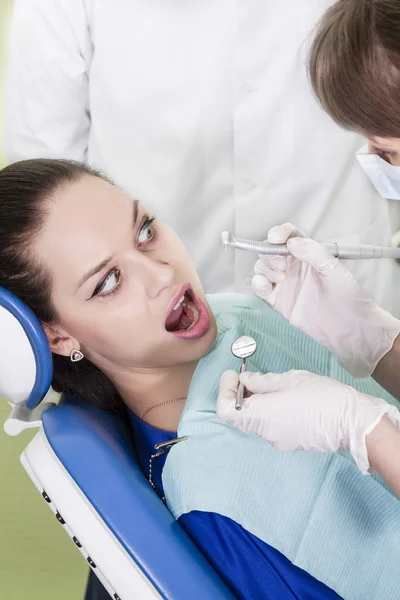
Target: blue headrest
point(26, 366)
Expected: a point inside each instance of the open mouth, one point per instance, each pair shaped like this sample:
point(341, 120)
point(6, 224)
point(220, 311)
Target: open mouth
point(184, 315)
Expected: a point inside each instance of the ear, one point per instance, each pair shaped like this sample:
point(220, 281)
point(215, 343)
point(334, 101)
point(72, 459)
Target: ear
point(60, 341)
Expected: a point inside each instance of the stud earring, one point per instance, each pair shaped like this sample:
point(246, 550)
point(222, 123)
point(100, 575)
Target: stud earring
point(76, 356)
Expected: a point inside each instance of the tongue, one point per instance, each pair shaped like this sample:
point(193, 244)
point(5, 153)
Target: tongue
point(179, 319)
point(173, 319)
point(186, 319)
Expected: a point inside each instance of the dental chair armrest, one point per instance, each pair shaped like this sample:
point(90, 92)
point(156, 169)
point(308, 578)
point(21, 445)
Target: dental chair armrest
point(96, 449)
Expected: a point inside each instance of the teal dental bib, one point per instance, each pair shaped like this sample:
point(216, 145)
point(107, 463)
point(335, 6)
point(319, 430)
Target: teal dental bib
point(316, 508)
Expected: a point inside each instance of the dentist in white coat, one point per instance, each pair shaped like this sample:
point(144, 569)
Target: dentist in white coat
point(202, 110)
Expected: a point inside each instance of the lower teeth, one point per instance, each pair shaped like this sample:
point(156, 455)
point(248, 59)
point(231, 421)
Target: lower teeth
point(195, 314)
point(196, 318)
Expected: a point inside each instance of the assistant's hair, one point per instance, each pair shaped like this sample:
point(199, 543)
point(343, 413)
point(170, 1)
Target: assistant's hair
point(26, 188)
point(354, 65)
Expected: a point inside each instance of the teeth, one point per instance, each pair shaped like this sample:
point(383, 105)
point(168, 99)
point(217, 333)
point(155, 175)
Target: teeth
point(177, 305)
point(195, 318)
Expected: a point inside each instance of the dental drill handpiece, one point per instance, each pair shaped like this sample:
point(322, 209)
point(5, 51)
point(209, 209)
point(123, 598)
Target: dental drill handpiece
point(344, 251)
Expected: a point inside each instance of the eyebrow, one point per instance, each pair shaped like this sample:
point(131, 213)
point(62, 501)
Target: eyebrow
point(92, 272)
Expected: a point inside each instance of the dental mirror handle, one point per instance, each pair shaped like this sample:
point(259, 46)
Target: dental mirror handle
point(240, 391)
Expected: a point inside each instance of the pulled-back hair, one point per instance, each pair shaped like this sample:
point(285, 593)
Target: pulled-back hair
point(354, 65)
point(25, 190)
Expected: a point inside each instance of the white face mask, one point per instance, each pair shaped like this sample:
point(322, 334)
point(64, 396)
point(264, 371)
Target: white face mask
point(384, 176)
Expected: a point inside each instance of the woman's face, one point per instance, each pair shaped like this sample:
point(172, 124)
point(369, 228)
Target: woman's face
point(117, 277)
point(386, 148)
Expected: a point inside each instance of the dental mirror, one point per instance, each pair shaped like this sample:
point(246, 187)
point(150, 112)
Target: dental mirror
point(243, 347)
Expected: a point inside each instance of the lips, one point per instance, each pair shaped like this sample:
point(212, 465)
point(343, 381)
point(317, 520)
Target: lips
point(187, 316)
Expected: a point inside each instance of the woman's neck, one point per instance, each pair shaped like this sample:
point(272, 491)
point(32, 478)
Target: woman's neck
point(142, 390)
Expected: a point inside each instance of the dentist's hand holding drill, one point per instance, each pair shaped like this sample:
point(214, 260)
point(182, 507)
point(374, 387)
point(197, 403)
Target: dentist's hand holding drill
point(316, 293)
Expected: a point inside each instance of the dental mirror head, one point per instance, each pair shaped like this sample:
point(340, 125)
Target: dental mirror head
point(244, 347)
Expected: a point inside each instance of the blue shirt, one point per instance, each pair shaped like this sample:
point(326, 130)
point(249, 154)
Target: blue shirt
point(251, 568)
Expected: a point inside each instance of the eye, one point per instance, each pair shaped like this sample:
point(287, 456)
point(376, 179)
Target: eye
point(375, 150)
point(108, 284)
point(384, 154)
point(147, 231)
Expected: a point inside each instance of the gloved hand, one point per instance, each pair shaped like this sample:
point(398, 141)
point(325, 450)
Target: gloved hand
point(303, 411)
point(316, 292)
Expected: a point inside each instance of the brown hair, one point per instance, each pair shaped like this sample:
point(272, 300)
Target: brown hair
point(25, 188)
point(354, 65)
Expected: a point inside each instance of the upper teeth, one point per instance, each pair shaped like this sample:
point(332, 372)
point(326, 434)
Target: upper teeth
point(177, 305)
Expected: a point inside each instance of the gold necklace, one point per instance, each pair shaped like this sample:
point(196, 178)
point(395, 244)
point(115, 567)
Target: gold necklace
point(162, 404)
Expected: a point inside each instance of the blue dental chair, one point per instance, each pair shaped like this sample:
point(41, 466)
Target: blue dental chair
point(83, 463)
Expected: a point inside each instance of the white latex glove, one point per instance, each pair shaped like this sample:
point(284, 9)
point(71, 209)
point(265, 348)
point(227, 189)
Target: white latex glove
point(299, 410)
point(316, 292)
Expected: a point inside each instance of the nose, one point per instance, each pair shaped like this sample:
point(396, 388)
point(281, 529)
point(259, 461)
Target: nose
point(155, 275)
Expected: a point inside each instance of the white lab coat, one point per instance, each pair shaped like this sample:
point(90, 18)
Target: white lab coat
point(202, 110)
